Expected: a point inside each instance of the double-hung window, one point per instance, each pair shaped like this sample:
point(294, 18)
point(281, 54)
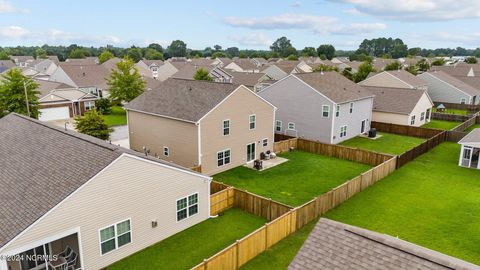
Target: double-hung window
point(223, 157)
point(422, 116)
point(463, 101)
point(278, 125)
point(291, 126)
point(325, 110)
point(89, 105)
point(265, 142)
point(337, 111)
point(187, 207)
point(166, 151)
point(343, 131)
point(412, 120)
point(252, 120)
point(115, 236)
point(226, 127)
point(351, 107)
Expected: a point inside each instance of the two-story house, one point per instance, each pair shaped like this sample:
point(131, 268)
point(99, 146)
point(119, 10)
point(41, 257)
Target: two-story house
point(217, 126)
point(325, 107)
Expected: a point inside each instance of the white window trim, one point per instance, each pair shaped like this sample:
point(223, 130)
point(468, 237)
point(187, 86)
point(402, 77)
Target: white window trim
point(168, 151)
point(254, 122)
point(463, 101)
point(412, 120)
point(294, 126)
point(116, 236)
point(188, 215)
point(422, 116)
point(223, 127)
point(351, 107)
point(223, 151)
point(341, 131)
point(337, 111)
point(90, 107)
point(281, 125)
point(328, 111)
point(263, 142)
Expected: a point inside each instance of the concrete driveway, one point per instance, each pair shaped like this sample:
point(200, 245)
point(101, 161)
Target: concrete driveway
point(119, 136)
point(61, 123)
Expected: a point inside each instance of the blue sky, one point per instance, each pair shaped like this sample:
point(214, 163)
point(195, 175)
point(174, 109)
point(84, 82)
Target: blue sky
point(245, 24)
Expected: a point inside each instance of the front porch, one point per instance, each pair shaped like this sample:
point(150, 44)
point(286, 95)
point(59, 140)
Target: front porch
point(63, 253)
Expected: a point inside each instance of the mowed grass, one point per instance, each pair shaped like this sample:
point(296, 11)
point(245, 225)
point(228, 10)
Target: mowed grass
point(281, 255)
point(441, 124)
point(431, 201)
point(117, 117)
point(190, 247)
point(453, 111)
point(388, 143)
point(472, 127)
point(302, 178)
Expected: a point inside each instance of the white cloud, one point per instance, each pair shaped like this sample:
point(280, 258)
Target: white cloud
point(7, 7)
point(471, 39)
point(352, 11)
point(296, 4)
point(317, 24)
point(8, 33)
point(418, 10)
point(253, 39)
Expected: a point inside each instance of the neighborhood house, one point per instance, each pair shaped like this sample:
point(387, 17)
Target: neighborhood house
point(470, 152)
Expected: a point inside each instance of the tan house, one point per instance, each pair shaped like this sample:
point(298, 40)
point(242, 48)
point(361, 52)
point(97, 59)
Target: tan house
point(401, 106)
point(395, 79)
point(85, 202)
point(217, 126)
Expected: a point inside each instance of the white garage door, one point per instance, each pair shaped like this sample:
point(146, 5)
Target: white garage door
point(58, 113)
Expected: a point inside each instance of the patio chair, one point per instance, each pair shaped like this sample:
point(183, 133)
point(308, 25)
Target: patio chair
point(71, 261)
point(67, 252)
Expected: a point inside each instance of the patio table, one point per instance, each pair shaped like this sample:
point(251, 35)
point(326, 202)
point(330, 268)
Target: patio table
point(59, 263)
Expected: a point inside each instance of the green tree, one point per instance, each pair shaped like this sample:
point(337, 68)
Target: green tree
point(218, 55)
point(233, 51)
point(471, 60)
point(412, 69)
point(292, 57)
point(438, 62)
point(202, 75)
point(104, 106)
point(423, 65)
point(323, 68)
point(309, 51)
point(93, 124)
point(41, 53)
point(393, 66)
point(177, 48)
point(157, 47)
point(105, 56)
point(283, 47)
point(414, 51)
point(151, 54)
point(135, 54)
point(327, 50)
point(125, 83)
point(77, 53)
point(4, 56)
point(363, 70)
point(12, 94)
point(217, 48)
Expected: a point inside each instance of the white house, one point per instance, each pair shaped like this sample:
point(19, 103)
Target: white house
point(469, 155)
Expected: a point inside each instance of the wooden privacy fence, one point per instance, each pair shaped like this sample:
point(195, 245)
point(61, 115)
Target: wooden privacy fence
point(468, 123)
point(419, 132)
point(286, 223)
point(455, 106)
point(455, 136)
point(421, 149)
point(450, 117)
point(285, 145)
point(217, 186)
point(222, 201)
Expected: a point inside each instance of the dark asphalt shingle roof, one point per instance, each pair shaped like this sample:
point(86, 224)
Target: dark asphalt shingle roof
point(334, 245)
point(394, 100)
point(334, 86)
point(40, 165)
point(187, 100)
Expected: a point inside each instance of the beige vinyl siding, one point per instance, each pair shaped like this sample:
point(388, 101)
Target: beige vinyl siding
point(237, 108)
point(129, 188)
point(385, 80)
point(155, 132)
point(422, 106)
point(394, 118)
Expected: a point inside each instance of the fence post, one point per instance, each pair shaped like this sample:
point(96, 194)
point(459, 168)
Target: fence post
point(238, 254)
point(205, 264)
point(269, 209)
point(266, 236)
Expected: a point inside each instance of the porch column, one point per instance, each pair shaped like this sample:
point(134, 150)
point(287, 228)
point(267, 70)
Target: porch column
point(3, 263)
point(461, 156)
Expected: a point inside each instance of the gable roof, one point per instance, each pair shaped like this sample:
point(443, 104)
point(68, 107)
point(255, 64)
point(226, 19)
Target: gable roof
point(152, 62)
point(402, 75)
point(440, 75)
point(90, 75)
point(472, 137)
point(287, 65)
point(245, 64)
point(334, 86)
point(395, 100)
point(189, 70)
point(45, 87)
point(187, 100)
point(42, 165)
point(6, 64)
point(334, 245)
point(246, 78)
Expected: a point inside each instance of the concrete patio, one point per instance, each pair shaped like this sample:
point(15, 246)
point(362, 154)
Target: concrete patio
point(268, 163)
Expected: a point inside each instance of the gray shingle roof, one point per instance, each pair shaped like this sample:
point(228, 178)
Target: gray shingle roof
point(394, 100)
point(334, 245)
point(41, 165)
point(88, 76)
point(187, 100)
point(472, 137)
point(334, 86)
point(246, 78)
point(452, 81)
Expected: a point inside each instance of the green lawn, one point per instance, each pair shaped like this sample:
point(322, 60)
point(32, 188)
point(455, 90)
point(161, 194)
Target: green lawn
point(472, 127)
point(190, 247)
point(117, 117)
point(388, 143)
point(431, 201)
point(441, 124)
point(453, 111)
point(297, 181)
point(281, 255)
